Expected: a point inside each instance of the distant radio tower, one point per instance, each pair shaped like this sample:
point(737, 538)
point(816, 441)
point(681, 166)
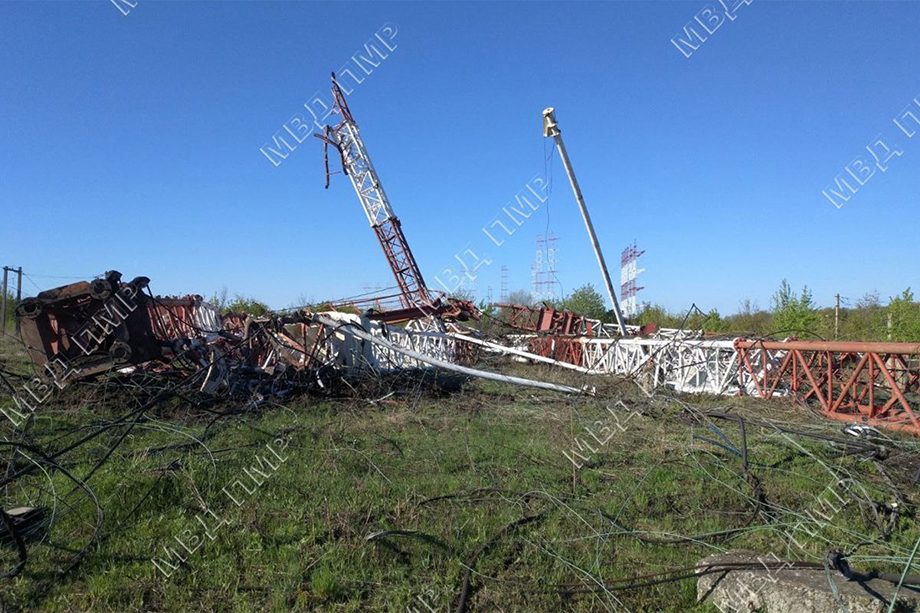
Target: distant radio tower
point(628, 273)
point(551, 283)
point(504, 287)
point(489, 294)
point(543, 270)
point(534, 284)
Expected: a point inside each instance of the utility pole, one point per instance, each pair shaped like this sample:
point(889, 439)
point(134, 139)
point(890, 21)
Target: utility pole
point(6, 270)
point(18, 297)
point(836, 316)
point(551, 129)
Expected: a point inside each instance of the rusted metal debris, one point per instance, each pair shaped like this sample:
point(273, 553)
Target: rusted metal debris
point(89, 326)
point(389, 309)
point(80, 330)
point(547, 320)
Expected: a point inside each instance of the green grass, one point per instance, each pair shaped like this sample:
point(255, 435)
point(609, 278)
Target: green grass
point(448, 471)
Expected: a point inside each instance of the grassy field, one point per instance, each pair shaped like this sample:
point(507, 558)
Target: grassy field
point(422, 498)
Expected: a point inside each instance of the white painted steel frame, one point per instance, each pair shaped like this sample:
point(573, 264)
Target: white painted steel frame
point(361, 171)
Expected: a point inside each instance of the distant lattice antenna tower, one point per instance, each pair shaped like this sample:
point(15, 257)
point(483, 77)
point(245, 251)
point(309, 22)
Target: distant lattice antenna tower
point(536, 270)
point(534, 284)
point(543, 270)
point(504, 287)
point(550, 284)
point(489, 294)
point(628, 273)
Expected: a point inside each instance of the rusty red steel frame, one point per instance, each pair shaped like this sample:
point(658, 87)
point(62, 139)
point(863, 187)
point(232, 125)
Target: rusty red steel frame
point(559, 348)
point(546, 320)
point(184, 317)
point(869, 383)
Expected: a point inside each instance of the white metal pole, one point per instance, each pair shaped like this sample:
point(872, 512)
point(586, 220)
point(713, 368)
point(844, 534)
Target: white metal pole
point(551, 128)
point(354, 330)
point(523, 354)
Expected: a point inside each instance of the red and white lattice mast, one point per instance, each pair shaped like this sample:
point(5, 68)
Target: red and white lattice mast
point(357, 164)
point(628, 273)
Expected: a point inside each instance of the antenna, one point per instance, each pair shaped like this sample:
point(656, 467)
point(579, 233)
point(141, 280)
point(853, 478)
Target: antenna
point(628, 273)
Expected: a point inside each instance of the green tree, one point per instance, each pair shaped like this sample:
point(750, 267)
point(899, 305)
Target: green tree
point(520, 297)
point(904, 315)
point(714, 322)
point(655, 314)
point(864, 322)
point(246, 304)
point(794, 315)
point(220, 299)
point(750, 320)
point(585, 301)
point(695, 320)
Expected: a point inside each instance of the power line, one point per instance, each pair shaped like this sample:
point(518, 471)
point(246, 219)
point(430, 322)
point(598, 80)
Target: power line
point(32, 282)
point(66, 276)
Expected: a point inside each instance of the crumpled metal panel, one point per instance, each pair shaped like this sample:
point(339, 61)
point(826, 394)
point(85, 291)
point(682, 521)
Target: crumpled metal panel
point(85, 328)
point(186, 317)
point(88, 327)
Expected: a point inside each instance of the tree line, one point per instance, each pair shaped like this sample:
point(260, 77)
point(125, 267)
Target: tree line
point(791, 313)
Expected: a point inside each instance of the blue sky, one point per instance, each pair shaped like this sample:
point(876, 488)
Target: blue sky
point(133, 142)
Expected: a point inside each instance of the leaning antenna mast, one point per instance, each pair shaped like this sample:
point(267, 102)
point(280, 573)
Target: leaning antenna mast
point(356, 163)
point(551, 129)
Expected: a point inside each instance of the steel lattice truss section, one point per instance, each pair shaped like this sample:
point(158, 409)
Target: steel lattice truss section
point(868, 383)
point(341, 349)
point(346, 137)
point(685, 365)
point(872, 383)
point(433, 344)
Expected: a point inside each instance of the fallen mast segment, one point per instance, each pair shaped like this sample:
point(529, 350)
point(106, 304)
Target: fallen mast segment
point(876, 384)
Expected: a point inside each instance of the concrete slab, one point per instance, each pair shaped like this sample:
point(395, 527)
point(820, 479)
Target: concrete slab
point(785, 590)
